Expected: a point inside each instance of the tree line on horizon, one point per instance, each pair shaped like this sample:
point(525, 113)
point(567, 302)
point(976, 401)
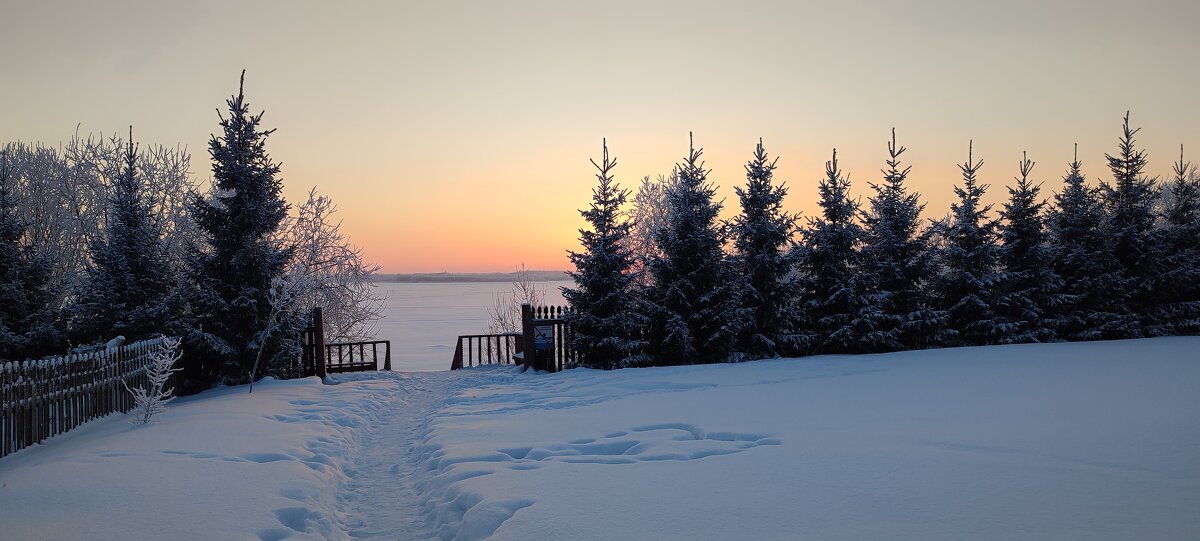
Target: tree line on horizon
point(100, 238)
point(669, 282)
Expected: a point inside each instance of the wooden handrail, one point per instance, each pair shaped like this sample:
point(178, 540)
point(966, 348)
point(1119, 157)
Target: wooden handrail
point(347, 363)
point(485, 349)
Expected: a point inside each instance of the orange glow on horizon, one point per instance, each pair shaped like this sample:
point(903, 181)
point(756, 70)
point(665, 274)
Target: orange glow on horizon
point(457, 139)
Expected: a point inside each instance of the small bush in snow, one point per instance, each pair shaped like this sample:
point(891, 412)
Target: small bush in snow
point(152, 399)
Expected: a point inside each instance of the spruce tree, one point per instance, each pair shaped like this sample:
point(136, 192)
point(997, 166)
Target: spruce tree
point(232, 270)
point(969, 262)
point(693, 302)
point(604, 314)
point(762, 235)
point(842, 305)
point(1030, 288)
point(129, 279)
point(1081, 258)
point(1177, 287)
point(29, 324)
point(898, 254)
point(1129, 206)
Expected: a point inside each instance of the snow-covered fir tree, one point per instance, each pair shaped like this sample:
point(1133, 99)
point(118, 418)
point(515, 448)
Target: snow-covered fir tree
point(1129, 224)
point(1177, 289)
point(604, 316)
point(1081, 258)
point(232, 270)
point(29, 324)
point(842, 305)
point(898, 254)
point(762, 235)
point(130, 280)
point(692, 304)
point(969, 264)
point(1030, 292)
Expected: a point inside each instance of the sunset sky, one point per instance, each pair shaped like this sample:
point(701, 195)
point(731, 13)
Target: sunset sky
point(455, 136)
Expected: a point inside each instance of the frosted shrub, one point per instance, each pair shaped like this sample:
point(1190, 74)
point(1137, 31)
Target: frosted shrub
point(152, 399)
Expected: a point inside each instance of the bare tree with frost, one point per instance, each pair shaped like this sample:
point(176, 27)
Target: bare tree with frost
point(65, 194)
point(505, 314)
point(338, 278)
point(649, 215)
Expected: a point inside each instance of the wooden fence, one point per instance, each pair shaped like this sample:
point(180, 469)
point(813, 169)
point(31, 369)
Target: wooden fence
point(544, 343)
point(339, 357)
point(46, 397)
point(480, 349)
point(312, 352)
point(557, 352)
point(318, 358)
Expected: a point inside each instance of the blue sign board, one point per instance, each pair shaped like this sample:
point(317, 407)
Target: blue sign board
point(543, 337)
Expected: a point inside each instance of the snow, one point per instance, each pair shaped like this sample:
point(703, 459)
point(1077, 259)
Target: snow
point(221, 465)
point(1091, 440)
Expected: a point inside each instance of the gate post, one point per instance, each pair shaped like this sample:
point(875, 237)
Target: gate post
point(319, 353)
point(528, 355)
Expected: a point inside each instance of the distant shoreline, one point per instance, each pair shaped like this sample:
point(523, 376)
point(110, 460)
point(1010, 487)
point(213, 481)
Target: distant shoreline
point(446, 277)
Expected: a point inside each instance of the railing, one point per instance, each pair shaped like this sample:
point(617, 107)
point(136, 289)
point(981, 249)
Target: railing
point(558, 353)
point(544, 343)
point(312, 355)
point(486, 349)
point(340, 358)
point(46, 397)
point(318, 358)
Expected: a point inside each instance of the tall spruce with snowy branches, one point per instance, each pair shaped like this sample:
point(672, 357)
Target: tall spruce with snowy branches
point(604, 314)
point(969, 259)
point(898, 254)
point(130, 279)
point(1177, 286)
point(29, 324)
point(693, 302)
point(1031, 290)
point(842, 305)
point(1081, 257)
point(1129, 205)
point(762, 235)
point(233, 268)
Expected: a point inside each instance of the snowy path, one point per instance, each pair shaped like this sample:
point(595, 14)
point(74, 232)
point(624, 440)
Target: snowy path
point(386, 494)
point(379, 498)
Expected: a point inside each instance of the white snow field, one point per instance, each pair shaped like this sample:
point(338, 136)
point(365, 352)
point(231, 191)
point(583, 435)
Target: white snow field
point(1092, 441)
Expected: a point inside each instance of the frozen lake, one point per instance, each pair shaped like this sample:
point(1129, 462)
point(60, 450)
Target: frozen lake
point(423, 320)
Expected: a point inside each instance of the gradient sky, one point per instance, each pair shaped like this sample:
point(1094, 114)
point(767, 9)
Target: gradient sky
point(456, 135)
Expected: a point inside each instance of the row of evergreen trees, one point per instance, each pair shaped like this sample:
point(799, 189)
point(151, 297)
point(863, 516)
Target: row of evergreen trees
point(221, 304)
point(1117, 260)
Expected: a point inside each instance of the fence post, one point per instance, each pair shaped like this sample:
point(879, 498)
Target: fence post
point(319, 353)
point(527, 335)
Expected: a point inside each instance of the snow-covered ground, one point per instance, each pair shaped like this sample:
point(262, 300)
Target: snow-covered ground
point(1097, 440)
